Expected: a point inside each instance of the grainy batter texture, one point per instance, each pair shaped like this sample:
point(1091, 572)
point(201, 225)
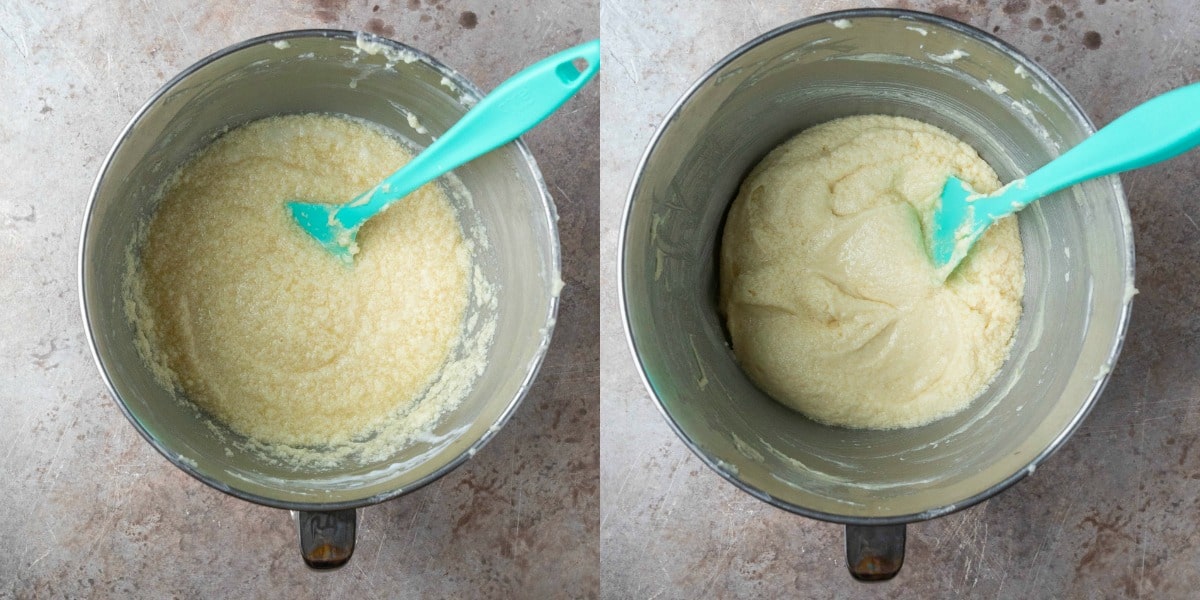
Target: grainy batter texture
point(832, 303)
point(264, 329)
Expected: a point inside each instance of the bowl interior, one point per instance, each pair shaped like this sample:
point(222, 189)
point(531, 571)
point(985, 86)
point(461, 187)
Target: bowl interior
point(506, 212)
point(1078, 250)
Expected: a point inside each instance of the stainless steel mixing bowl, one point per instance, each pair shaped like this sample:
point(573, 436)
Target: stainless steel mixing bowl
point(380, 81)
point(1078, 252)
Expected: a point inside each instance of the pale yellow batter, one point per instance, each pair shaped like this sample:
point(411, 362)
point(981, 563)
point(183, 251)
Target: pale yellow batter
point(264, 329)
point(832, 303)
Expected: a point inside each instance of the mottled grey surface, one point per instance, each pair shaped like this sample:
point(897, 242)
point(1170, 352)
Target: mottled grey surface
point(89, 509)
point(1113, 514)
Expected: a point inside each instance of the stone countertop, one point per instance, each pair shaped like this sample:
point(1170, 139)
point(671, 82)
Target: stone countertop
point(90, 509)
point(1112, 514)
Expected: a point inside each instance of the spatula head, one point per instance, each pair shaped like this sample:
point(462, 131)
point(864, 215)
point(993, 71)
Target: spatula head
point(962, 215)
point(320, 221)
point(951, 223)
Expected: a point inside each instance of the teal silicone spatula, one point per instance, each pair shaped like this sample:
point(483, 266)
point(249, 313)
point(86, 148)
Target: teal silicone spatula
point(514, 107)
point(1154, 131)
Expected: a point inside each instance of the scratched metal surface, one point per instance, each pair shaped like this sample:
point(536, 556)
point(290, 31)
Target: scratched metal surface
point(1113, 514)
point(90, 510)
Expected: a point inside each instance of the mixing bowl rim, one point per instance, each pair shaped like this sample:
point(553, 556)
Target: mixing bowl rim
point(1075, 110)
point(470, 90)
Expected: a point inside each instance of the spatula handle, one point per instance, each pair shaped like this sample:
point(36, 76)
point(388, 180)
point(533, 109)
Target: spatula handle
point(1156, 130)
point(514, 107)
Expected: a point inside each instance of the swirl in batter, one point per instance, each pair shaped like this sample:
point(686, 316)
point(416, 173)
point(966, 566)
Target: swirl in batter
point(832, 303)
point(263, 329)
